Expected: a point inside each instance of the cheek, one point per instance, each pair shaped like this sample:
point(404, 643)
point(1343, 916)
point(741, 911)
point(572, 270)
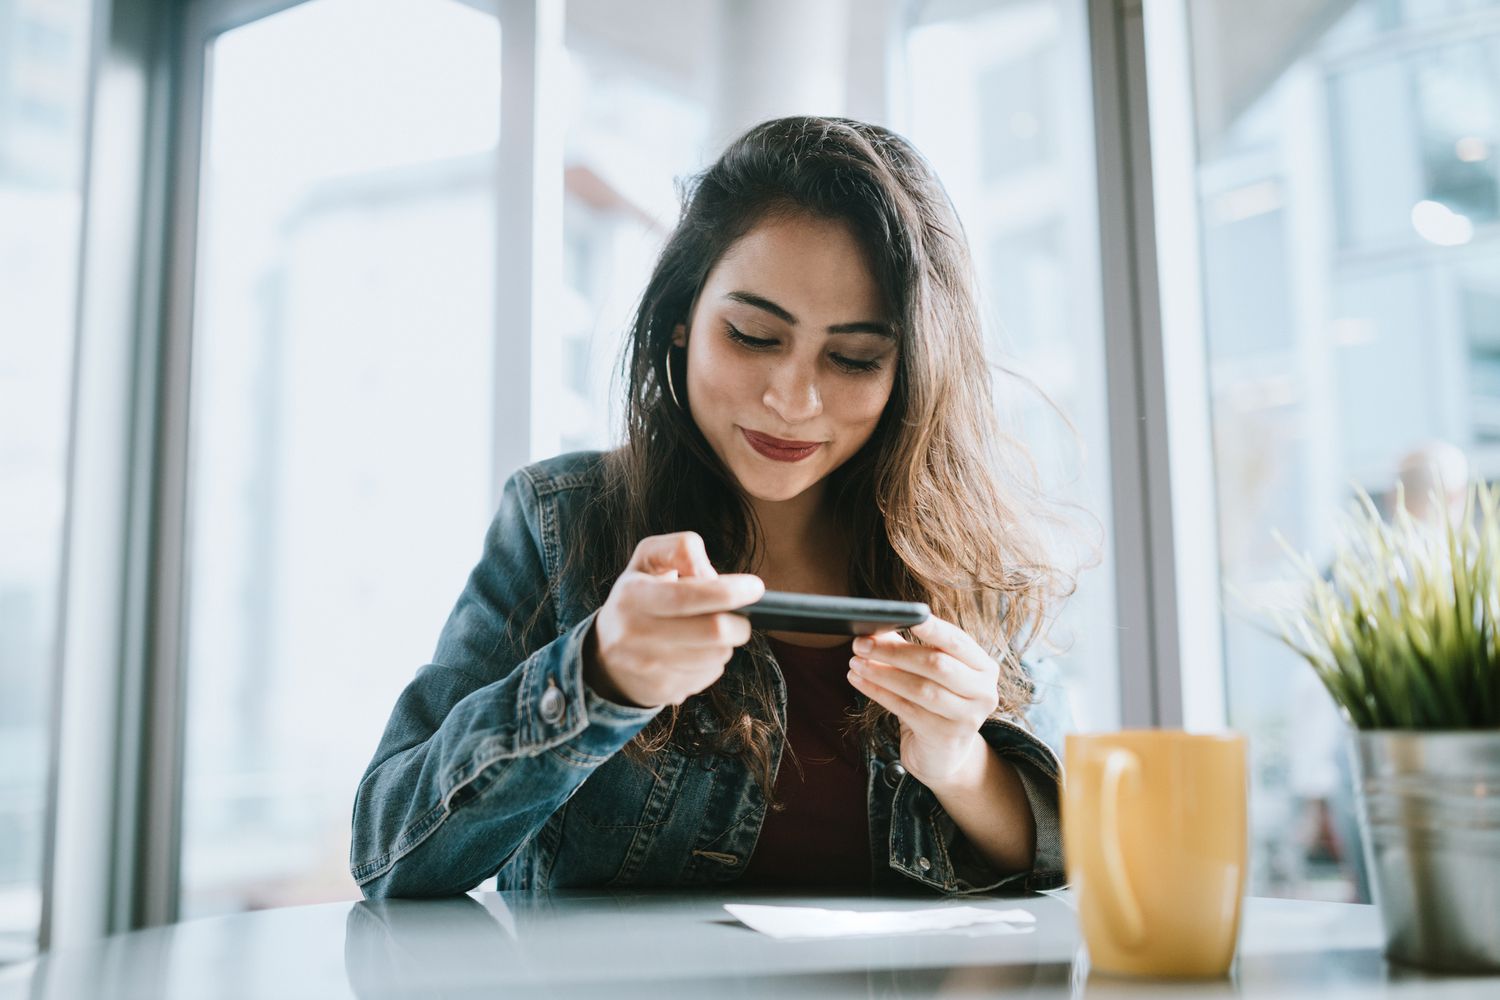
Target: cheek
point(719, 372)
point(862, 404)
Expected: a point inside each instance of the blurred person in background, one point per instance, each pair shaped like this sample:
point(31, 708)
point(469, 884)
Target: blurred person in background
point(1432, 476)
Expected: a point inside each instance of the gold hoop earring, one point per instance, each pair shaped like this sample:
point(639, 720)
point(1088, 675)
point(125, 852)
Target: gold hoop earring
point(670, 387)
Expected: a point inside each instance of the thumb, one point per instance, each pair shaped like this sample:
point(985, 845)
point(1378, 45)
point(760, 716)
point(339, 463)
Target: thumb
point(681, 553)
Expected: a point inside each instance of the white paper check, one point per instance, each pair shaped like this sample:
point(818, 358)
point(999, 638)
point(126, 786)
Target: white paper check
point(814, 922)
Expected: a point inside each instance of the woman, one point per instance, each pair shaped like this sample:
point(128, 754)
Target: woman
point(808, 409)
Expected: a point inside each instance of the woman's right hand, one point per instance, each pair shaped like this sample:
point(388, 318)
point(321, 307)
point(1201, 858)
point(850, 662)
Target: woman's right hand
point(667, 628)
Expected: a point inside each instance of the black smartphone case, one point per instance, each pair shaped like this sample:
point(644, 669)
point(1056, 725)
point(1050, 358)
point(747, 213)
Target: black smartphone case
point(783, 611)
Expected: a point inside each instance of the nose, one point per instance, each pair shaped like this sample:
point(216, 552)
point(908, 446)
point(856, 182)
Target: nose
point(793, 394)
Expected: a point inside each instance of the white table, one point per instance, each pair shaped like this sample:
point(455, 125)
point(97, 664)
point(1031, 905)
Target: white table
point(657, 945)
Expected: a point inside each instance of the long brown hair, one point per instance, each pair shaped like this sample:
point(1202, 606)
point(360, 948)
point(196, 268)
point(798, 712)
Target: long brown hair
point(940, 504)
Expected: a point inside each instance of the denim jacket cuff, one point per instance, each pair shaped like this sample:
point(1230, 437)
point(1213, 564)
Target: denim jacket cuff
point(556, 706)
point(1043, 792)
point(940, 856)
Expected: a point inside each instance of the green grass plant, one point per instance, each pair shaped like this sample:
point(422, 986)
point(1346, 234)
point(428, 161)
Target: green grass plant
point(1404, 629)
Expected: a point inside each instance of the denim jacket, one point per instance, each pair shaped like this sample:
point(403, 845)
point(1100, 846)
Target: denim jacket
point(499, 760)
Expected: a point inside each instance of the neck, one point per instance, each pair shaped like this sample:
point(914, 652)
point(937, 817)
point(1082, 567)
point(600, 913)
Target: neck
point(801, 549)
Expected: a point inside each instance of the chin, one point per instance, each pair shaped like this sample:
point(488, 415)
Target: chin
point(778, 495)
point(772, 488)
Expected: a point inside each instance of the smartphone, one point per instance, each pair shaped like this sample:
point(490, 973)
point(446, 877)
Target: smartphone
point(784, 611)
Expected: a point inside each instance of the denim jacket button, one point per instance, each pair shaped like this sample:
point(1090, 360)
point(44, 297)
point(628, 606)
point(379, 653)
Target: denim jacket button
point(553, 705)
point(894, 772)
point(924, 864)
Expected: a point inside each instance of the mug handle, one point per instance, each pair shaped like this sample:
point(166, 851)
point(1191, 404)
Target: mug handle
point(1118, 765)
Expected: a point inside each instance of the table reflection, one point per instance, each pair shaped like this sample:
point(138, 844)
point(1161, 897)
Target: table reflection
point(1100, 986)
point(665, 944)
point(462, 946)
point(395, 945)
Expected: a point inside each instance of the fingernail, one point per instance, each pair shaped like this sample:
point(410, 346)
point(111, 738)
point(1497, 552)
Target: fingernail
point(857, 663)
point(862, 645)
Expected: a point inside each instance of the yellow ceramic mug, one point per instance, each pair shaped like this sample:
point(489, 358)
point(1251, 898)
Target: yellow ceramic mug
point(1154, 836)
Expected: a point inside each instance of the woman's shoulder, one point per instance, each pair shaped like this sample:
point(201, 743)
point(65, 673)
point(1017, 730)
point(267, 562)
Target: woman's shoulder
point(563, 487)
point(569, 471)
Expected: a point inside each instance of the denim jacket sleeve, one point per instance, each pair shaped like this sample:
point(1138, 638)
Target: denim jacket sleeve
point(1032, 745)
point(489, 739)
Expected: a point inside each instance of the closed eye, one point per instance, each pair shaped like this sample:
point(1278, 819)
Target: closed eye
point(851, 365)
point(754, 342)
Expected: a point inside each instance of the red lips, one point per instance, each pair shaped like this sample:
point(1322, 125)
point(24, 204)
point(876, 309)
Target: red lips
point(782, 443)
point(780, 449)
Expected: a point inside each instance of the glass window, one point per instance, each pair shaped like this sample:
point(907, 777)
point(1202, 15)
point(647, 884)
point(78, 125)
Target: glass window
point(342, 401)
point(44, 49)
point(633, 131)
point(999, 102)
point(1347, 176)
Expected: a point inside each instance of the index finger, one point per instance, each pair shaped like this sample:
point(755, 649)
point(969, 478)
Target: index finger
point(682, 551)
point(952, 640)
point(688, 595)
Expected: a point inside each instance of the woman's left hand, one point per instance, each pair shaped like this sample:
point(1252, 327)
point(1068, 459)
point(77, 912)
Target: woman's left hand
point(941, 692)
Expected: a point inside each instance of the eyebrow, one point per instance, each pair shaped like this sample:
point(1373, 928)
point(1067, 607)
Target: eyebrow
point(760, 302)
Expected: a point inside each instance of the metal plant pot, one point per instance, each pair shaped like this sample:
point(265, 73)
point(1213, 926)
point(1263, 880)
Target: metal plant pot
point(1429, 809)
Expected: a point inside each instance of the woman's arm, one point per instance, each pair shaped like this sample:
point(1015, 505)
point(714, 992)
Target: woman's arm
point(491, 738)
point(983, 810)
point(987, 802)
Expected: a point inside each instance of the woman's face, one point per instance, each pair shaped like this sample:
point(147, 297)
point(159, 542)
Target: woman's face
point(790, 340)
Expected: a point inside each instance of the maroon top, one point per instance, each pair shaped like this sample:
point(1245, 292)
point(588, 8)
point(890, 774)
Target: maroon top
point(821, 836)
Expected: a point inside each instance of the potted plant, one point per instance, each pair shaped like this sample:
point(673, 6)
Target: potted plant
point(1404, 631)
